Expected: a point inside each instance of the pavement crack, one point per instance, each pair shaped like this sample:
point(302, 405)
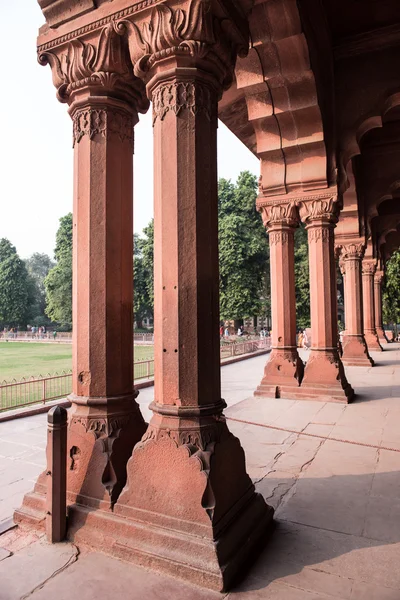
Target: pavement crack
point(69, 562)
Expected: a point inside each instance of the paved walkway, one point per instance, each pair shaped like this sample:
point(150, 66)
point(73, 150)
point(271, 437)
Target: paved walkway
point(336, 492)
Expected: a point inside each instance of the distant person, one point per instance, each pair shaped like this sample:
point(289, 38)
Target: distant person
point(239, 332)
point(54, 335)
point(305, 340)
point(221, 331)
point(226, 332)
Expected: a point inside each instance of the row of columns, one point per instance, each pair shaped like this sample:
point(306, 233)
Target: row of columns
point(174, 493)
point(323, 376)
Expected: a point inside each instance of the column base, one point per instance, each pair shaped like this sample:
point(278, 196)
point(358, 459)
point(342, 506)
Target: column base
point(101, 435)
point(324, 379)
point(189, 509)
point(355, 352)
point(381, 336)
point(372, 341)
point(283, 372)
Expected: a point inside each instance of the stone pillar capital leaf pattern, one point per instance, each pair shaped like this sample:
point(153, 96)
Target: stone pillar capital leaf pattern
point(282, 215)
point(368, 268)
point(100, 64)
point(352, 251)
point(319, 209)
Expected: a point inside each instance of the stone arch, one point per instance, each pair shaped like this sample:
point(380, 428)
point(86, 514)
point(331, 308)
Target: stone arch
point(280, 91)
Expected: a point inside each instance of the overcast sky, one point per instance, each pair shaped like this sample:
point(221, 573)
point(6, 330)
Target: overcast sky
point(36, 142)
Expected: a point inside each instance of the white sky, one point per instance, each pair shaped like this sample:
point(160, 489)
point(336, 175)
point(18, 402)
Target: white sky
point(36, 142)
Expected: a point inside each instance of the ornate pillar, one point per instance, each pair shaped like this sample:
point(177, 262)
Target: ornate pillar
point(189, 507)
point(104, 423)
point(355, 351)
point(378, 280)
point(284, 369)
point(371, 337)
point(324, 377)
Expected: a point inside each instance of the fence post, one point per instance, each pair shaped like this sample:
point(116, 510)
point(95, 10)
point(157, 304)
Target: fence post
point(56, 498)
point(44, 391)
point(148, 369)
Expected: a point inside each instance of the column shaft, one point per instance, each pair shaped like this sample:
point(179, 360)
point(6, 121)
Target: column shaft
point(284, 369)
point(371, 337)
point(165, 486)
point(324, 376)
point(355, 351)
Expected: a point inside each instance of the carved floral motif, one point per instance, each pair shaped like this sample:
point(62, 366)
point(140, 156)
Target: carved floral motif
point(181, 95)
point(353, 251)
point(378, 278)
point(92, 122)
point(324, 233)
point(279, 237)
point(280, 214)
point(198, 437)
point(102, 426)
point(368, 268)
point(104, 63)
point(319, 208)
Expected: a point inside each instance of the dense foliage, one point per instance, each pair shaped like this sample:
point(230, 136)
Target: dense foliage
point(58, 283)
point(15, 287)
point(243, 249)
point(391, 292)
point(38, 266)
point(143, 275)
point(302, 278)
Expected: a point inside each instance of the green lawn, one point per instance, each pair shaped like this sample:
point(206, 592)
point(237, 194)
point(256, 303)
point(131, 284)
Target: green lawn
point(20, 359)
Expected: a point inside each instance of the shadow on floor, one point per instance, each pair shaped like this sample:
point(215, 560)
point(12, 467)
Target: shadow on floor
point(345, 526)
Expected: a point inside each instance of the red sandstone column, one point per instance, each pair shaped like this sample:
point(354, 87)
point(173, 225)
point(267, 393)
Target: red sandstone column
point(104, 420)
point(186, 479)
point(355, 351)
point(371, 337)
point(324, 377)
point(378, 279)
point(284, 369)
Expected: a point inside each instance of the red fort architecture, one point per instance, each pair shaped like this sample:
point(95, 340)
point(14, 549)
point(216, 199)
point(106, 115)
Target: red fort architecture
point(312, 88)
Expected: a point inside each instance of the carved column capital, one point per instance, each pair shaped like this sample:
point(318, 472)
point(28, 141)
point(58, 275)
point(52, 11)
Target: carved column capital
point(190, 35)
point(368, 267)
point(378, 277)
point(319, 210)
point(278, 216)
point(96, 65)
point(352, 251)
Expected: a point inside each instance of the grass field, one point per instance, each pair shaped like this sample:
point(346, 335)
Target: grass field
point(20, 359)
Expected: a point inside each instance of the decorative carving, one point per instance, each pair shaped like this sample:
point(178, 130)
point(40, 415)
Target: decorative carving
point(279, 214)
point(177, 96)
point(353, 251)
point(279, 237)
point(104, 64)
point(320, 208)
point(316, 233)
point(197, 437)
point(378, 278)
point(93, 122)
point(368, 268)
point(103, 426)
point(100, 23)
point(342, 267)
point(170, 32)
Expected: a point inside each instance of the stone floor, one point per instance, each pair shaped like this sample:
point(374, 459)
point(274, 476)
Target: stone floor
point(335, 484)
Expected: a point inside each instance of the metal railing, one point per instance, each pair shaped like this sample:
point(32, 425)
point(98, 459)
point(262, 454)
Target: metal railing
point(34, 390)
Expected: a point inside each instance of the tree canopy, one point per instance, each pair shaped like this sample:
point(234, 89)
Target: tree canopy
point(58, 282)
point(38, 266)
point(391, 291)
point(143, 275)
point(302, 277)
point(15, 287)
point(243, 249)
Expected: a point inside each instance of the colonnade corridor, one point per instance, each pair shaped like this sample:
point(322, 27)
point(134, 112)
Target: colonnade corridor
point(334, 486)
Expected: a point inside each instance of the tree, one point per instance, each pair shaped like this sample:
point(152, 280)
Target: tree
point(14, 286)
point(58, 282)
point(243, 249)
point(38, 266)
point(391, 292)
point(302, 277)
point(142, 303)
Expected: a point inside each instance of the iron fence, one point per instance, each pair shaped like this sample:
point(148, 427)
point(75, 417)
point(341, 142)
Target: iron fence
point(34, 390)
